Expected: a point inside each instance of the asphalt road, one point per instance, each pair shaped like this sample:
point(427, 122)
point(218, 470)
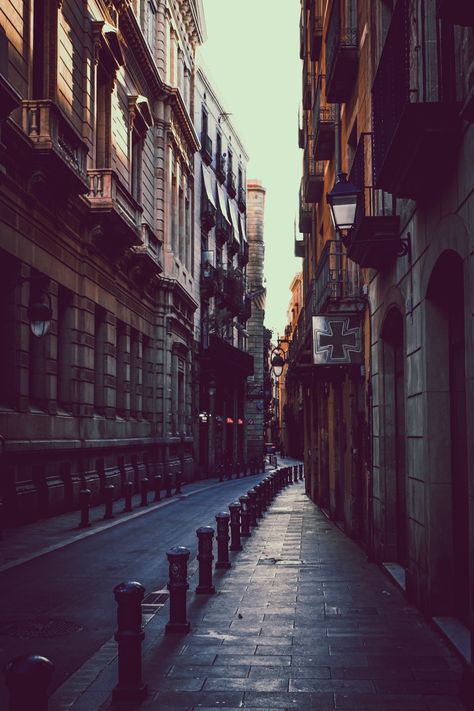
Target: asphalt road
point(73, 586)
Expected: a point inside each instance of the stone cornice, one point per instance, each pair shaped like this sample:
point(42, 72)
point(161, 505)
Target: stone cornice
point(182, 117)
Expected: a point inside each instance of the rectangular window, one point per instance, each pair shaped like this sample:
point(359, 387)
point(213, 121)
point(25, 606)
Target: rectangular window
point(136, 150)
point(122, 370)
point(100, 331)
point(135, 374)
point(65, 350)
point(39, 47)
point(103, 118)
point(181, 395)
point(150, 23)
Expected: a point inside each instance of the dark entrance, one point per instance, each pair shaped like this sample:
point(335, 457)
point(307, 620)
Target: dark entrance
point(395, 436)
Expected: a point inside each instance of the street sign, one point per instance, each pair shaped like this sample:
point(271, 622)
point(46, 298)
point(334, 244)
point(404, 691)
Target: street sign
point(337, 340)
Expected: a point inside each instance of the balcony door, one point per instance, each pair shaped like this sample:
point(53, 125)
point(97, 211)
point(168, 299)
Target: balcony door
point(394, 437)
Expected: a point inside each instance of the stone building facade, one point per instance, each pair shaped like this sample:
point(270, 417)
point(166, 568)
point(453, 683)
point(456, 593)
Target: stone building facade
point(387, 366)
point(255, 405)
point(97, 233)
point(222, 251)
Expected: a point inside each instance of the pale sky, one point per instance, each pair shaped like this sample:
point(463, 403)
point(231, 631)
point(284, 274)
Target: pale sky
point(251, 56)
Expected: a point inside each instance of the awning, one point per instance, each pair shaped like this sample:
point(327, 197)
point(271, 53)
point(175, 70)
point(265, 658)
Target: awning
point(242, 229)
point(221, 203)
point(206, 181)
point(234, 219)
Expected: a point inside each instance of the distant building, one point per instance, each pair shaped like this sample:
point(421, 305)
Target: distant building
point(290, 398)
point(222, 254)
point(255, 406)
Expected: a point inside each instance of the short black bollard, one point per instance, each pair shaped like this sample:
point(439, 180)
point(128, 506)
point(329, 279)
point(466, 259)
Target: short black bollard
point(128, 491)
point(301, 471)
point(205, 557)
point(27, 679)
point(222, 520)
point(178, 483)
point(84, 503)
point(169, 485)
point(290, 475)
point(244, 515)
point(129, 636)
point(178, 585)
point(109, 501)
point(234, 509)
point(157, 487)
point(144, 491)
point(252, 494)
point(259, 492)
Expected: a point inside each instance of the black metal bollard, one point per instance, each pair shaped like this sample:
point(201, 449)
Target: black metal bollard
point(295, 474)
point(178, 483)
point(252, 494)
point(27, 679)
point(178, 585)
point(244, 515)
point(301, 471)
point(222, 520)
point(157, 487)
point(234, 509)
point(128, 491)
point(129, 636)
point(205, 557)
point(169, 485)
point(144, 491)
point(259, 491)
point(109, 501)
point(290, 475)
point(84, 503)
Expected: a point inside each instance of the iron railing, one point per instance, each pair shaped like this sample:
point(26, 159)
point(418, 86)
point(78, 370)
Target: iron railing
point(374, 202)
point(336, 278)
point(307, 83)
point(206, 146)
point(323, 113)
point(315, 29)
point(341, 32)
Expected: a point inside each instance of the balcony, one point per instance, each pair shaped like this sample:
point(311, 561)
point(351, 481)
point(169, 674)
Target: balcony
point(246, 310)
point(211, 281)
point(374, 241)
point(58, 149)
point(313, 175)
point(231, 184)
point(342, 53)
point(243, 257)
point(302, 33)
point(299, 248)
point(415, 123)
point(307, 91)
point(206, 148)
point(336, 286)
point(458, 12)
point(220, 167)
point(146, 259)
point(324, 123)
point(315, 29)
point(242, 199)
point(305, 216)
point(233, 290)
point(114, 213)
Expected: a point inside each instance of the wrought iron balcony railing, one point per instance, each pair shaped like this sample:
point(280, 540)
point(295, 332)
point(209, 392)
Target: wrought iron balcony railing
point(336, 285)
point(313, 174)
point(414, 104)
point(206, 147)
point(324, 122)
point(307, 90)
point(231, 183)
point(315, 29)
point(220, 167)
point(342, 54)
point(374, 239)
point(242, 199)
point(57, 144)
point(305, 215)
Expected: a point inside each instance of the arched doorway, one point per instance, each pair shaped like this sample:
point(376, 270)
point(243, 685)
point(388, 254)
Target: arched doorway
point(446, 354)
point(395, 437)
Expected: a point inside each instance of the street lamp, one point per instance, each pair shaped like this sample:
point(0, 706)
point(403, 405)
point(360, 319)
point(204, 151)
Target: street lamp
point(343, 201)
point(40, 314)
point(277, 361)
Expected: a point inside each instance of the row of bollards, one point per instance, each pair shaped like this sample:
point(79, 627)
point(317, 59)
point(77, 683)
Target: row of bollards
point(146, 486)
point(28, 677)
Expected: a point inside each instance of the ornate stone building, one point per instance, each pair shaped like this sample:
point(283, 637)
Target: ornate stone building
point(384, 345)
point(223, 253)
point(96, 247)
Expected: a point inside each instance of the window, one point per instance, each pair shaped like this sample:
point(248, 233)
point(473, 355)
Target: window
point(136, 164)
point(9, 269)
point(204, 121)
point(135, 374)
point(100, 331)
point(65, 348)
point(103, 118)
point(150, 23)
point(123, 370)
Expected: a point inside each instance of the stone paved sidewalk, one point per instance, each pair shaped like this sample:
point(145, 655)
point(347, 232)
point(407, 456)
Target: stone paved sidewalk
point(301, 621)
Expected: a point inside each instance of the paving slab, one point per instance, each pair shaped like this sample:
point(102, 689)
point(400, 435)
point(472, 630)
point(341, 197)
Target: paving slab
point(299, 621)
